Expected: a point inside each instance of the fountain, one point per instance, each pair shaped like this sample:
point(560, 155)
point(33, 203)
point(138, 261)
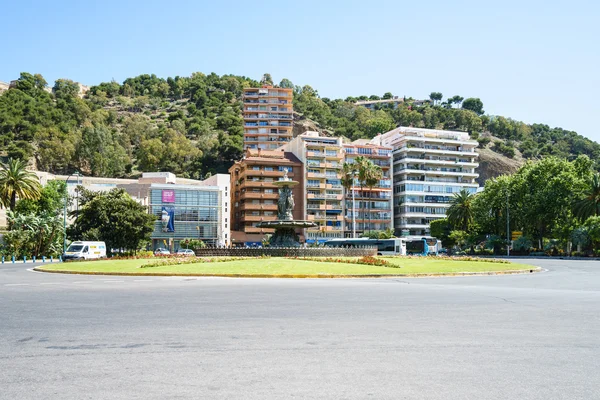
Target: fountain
point(285, 226)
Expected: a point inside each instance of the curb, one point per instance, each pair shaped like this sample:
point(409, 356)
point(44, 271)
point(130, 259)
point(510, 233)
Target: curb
point(302, 276)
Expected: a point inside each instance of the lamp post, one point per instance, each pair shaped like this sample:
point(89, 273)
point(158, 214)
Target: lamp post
point(353, 209)
point(507, 226)
point(65, 210)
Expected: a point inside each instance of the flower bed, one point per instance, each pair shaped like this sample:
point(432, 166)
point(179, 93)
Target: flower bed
point(365, 260)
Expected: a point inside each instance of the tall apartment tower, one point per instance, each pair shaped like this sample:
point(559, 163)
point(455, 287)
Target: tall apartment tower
point(323, 193)
point(429, 166)
point(268, 117)
point(254, 195)
point(372, 206)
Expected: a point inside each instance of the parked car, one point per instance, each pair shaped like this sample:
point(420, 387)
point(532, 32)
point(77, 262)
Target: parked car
point(186, 252)
point(161, 252)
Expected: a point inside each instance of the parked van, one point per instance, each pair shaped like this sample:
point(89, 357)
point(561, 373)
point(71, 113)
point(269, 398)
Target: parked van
point(85, 251)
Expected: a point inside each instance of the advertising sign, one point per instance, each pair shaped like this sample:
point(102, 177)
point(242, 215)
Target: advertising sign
point(167, 219)
point(168, 196)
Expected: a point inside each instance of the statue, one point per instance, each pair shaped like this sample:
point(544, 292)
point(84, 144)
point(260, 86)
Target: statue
point(285, 204)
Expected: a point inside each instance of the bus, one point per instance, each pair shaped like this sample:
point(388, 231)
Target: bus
point(422, 245)
point(385, 247)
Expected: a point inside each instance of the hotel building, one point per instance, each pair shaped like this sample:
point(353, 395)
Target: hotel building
point(429, 167)
point(373, 206)
point(268, 117)
point(322, 158)
point(254, 196)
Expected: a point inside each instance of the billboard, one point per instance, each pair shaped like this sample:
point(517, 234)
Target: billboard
point(168, 196)
point(167, 219)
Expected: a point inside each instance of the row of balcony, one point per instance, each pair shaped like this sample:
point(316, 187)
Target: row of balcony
point(272, 123)
point(268, 116)
point(251, 206)
point(269, 94)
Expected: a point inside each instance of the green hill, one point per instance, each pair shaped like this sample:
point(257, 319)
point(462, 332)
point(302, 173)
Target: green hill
point(193, 125)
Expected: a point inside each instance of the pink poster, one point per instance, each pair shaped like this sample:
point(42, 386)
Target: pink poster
point(168, 196)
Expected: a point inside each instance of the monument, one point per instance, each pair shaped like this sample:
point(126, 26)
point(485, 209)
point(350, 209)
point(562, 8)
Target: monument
point(285, 226)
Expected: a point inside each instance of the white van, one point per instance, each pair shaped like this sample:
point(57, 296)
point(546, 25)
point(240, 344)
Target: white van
point(85, 251)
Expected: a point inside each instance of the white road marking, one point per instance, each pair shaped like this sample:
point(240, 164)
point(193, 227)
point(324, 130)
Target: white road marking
point(50, 283)
point(16, 284)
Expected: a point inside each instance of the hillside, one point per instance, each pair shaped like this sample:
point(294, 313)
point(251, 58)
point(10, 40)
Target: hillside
point(193, 125)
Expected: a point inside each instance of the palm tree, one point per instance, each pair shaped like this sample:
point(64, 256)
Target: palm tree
point(460, 212)
point(589, 205)
point(347, 181)
point(373, 176)
point(16, 181)
point(362, 168)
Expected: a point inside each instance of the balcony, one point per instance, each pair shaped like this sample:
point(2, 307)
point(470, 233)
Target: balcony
point(252, 195)
point(315, 175)
point(254, 229)
point(266, 207)
point(315, 207)
point(257, 218)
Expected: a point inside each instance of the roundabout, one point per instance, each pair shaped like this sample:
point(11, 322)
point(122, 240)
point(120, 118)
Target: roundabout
point(525, 336)
point(294, 267)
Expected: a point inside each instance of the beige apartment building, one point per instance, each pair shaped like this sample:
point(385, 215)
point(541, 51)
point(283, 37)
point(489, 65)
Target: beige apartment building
point(268, 117)
point(254, 196)
point(322, 158)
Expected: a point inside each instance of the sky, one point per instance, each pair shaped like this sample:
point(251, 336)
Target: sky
point(535, 61)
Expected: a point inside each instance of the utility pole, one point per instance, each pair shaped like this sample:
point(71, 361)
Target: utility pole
point(507, 226)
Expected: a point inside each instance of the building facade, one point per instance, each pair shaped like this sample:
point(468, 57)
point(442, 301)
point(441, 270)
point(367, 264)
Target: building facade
point(196, 209)
point(254, 196)
point(429, 167)
point(322, 158)
point(372, 207)
point(268, 117)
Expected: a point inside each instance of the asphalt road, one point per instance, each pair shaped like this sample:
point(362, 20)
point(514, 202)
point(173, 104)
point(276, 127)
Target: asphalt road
point(491, 337)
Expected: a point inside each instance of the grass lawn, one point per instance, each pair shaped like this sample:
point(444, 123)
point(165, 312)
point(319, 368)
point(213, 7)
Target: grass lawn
point(283, 266)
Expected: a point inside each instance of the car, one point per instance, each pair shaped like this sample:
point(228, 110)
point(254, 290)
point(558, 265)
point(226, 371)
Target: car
point(185, 252)
point(161, 252)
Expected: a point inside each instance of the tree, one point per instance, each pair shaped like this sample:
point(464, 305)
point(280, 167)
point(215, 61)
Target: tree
point(51, 200)
point(113, 217)
point(592, 226)
point(347, 180)
point(473, 104)
point(387, 95)
point(374, 174)
point(435, 97)
point(286, 84)
point(17, 182)
point(460, 212)
point(456, 100)
point(34, 234)
point(266, 79)
point(589, 204)
point(441, 228)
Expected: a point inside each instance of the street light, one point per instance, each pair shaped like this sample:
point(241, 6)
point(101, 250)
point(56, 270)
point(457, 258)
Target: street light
point(65, 210)
point(353, 208)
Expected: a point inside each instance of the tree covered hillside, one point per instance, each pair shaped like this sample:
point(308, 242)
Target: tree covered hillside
point(193, 125)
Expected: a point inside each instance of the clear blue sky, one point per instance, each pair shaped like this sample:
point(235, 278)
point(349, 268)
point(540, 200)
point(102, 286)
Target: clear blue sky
point(537, 61)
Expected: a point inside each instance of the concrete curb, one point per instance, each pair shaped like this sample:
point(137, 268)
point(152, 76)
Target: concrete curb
point(302, 276)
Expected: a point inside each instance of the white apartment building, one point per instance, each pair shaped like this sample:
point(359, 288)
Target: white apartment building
point(429, 166)
point(323, 192)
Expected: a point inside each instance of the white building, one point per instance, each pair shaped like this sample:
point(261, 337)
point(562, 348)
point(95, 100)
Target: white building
point(430, 166)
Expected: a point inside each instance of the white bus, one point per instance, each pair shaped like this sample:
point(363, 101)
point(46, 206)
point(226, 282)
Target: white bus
point(422, 245)
point(385, 247)
point(85, 251)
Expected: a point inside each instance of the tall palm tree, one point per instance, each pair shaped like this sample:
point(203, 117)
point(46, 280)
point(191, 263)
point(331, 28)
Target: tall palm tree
point(347, 180)
point(16, 181)
point(589, 205)
point(460, 212)
point(362, 168)
point(373, 176)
